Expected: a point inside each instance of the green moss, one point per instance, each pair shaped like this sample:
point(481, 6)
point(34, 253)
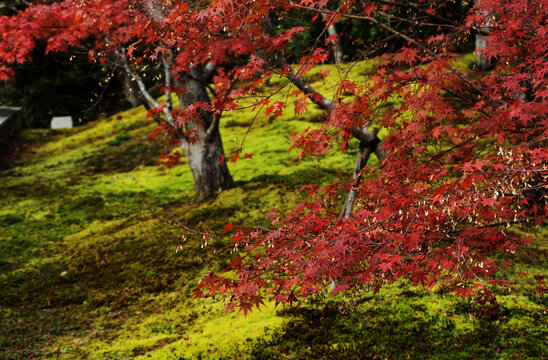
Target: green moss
point(94, 263)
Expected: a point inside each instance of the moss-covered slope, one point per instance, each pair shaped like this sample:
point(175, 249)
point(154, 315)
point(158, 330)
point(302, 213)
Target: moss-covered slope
point(95, 261)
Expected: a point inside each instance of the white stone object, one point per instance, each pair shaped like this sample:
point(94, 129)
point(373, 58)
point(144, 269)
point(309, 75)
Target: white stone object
point(61, 122)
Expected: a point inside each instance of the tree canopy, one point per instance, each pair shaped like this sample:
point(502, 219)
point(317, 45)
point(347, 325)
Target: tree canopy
point(464, 156)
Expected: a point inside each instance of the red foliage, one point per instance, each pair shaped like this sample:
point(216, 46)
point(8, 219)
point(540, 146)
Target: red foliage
point(170, 159)
point(466, 157)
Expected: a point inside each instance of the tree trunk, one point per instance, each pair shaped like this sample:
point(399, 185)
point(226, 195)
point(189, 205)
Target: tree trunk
point(481, 41)
point(337, 50)
point(199, 139)
point(204, 159)
point(203, 147)
point(481, 44)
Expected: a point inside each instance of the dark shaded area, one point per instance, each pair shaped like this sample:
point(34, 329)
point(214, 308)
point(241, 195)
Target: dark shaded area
point(382, 332)
point(360, 39)
point(58, 85)
point(10, 124)
point(135, 153)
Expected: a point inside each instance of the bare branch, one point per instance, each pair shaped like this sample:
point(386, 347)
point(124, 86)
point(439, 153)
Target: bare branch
point(217, 117)
point(323, 102)
point(213, 127)
point(363, 155)
point(168, 64)
point(369, 140)
point(150, 100)
point(431, 15)
point(418, 44)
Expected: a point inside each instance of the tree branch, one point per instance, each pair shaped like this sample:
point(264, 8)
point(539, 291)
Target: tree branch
point(426, 13)
point(217, 117)
point(168, 64)
point(323, 102)
point(421, 46)
point(363, 155)
point(369, 140)
point(328, 105)
point(150, 100)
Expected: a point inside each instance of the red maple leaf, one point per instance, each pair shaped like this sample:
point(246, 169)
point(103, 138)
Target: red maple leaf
point(228, 227)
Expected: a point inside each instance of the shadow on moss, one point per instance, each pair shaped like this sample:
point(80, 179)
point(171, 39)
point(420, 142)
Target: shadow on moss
point(380, 333)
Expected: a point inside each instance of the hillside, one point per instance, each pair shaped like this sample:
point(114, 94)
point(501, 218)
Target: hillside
point(99, 256)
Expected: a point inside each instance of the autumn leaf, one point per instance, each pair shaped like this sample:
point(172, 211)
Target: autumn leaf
point(228, 227)
point(464, 292)
point(489, 201)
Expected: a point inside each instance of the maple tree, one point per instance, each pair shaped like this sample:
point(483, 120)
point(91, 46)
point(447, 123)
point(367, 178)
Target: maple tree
point(132, 36)
point(465, 157)
point(464, 160)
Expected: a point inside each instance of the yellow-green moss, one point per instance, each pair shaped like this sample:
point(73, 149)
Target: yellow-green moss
point(93, 265)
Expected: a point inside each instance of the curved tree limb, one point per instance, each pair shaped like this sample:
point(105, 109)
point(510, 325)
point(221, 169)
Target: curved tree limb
point(363, 155)
point(149, 101)
point(369, 140)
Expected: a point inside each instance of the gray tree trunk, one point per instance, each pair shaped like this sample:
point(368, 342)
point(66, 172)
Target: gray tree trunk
point(199, 139)
point(337, 49)
point(204, 152)
point(481, 61)
point(481, 41)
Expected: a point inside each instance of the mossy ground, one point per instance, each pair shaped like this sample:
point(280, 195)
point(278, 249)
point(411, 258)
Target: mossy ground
point(94, 263)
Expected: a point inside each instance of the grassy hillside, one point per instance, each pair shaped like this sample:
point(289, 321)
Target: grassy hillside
point(95, 262)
